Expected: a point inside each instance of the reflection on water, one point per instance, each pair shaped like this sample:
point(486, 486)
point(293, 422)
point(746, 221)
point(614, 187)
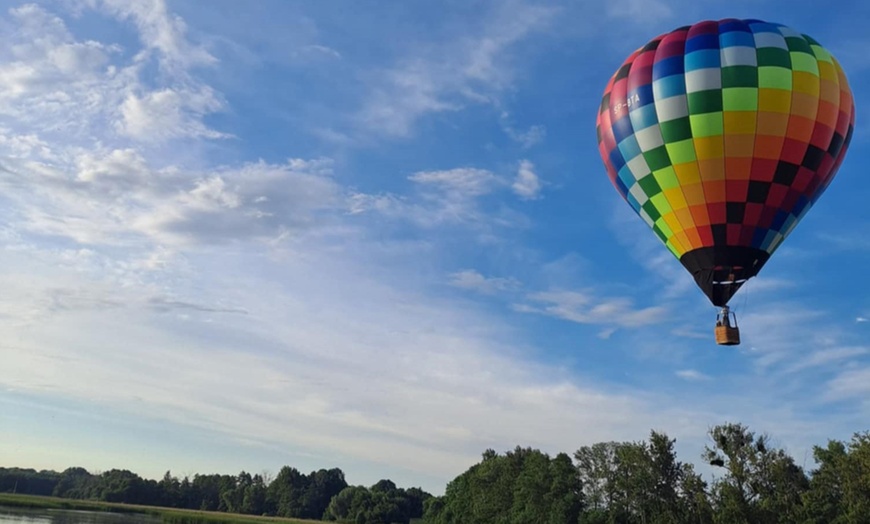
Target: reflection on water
point(67, 516)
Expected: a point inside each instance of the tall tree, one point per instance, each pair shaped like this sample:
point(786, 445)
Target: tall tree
point(760, 484)
point(523, 486)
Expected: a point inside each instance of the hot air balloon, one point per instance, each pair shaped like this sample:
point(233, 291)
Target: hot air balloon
point(721, 136)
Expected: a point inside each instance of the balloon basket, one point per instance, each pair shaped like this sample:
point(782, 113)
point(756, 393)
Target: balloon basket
point(727, 332)
point(727, 336)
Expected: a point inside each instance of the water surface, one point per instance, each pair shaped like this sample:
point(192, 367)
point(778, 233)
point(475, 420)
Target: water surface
point(69, 516)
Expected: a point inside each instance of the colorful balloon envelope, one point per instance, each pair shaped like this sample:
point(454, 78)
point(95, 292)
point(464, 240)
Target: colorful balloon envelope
point(721, 136)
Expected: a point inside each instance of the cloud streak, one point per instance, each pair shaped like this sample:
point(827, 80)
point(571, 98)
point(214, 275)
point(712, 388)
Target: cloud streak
point(469, 70)
point(584, 307)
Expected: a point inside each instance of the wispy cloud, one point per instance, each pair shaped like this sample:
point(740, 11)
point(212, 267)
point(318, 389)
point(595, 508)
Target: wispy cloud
point(169, 113)
point(114, 194)
point(773, 332)
point(692, 375)
point(474, 281)
point(584, 307)
point(470, 70)
point(284, 365)
point(159, 31)
point(853, 383)
point(163, 303)
point(317, 50)
point(859, 241)
point(826, 357)
point(446, 198)
point(461, 182)
point(532, 136)
point(104, 89)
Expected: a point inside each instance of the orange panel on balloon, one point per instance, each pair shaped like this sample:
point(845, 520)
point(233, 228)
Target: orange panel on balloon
point(700, 215)
point(767, 147)
point(771, 124)
point(714, 190)
point(737, 167)
point(694, 194)
point(800, 128)
point(713, 169)
point(739, 145)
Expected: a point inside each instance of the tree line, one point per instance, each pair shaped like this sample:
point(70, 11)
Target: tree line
point(639, 482)
point(644, 483)
point(322, 494)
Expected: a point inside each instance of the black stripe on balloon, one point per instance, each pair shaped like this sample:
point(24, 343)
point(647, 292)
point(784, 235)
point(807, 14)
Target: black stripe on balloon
point(786, 171)
point(758, 191)
point(813, 158)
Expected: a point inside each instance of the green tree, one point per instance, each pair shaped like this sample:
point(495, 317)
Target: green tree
point(170, 491)
point(286, 492)
point(383, 503)
point(641, 482)
point(597, 465)
point(74, 483)
point(254, 497)
point(565, 495)
point(29, 481)
point(840, 485)
point(524, 486)
point(760, 484)
point(321, 486)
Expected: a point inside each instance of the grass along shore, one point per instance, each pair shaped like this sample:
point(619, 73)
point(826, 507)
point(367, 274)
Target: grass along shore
point(170, 515)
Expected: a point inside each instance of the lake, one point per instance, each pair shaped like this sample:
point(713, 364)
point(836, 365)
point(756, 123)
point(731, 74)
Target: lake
point(66, 516)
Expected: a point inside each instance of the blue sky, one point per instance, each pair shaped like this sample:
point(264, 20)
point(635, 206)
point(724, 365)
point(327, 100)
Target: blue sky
point(378, 236)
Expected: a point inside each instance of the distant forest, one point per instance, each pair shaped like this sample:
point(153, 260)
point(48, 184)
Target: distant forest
point(606, 483)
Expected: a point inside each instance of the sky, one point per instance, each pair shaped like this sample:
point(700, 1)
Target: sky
point(379, 236)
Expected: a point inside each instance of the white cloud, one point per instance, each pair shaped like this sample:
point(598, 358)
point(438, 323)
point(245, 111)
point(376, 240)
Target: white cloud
point(462, 182)
point(256, 201)
point(445, 198)
point(401, 364)
point(826, 357)
point(862, 319)
point(386, 204)
point(692, 375)
point(159, 30)
point(115, 196)
point(853, 383)
point(585, 307)
point(772, 332)
point(848, 242)
point(474, 281)
point(78, 92)
point(311, 50)
point(527, 184)
point(468, 70)
point(532, 136)
point(169, 113)
point(126, 166)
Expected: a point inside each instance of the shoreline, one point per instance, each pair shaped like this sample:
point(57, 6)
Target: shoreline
point(171, 515)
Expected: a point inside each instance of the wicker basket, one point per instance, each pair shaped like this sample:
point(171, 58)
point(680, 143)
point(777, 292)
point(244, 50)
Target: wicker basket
point(727, 335)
